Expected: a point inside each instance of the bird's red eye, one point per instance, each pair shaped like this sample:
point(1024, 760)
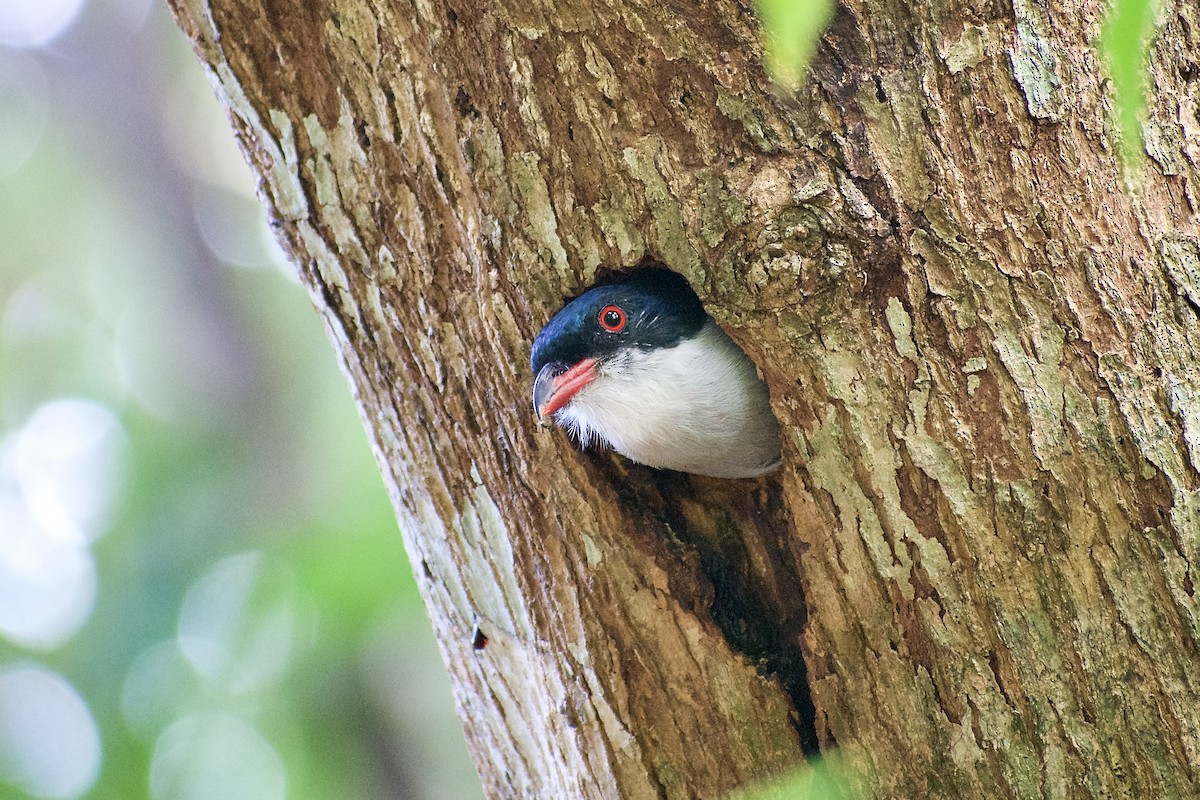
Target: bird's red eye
point(612, 319)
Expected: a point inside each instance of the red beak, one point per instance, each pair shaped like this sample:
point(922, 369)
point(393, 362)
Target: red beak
point(556, 384)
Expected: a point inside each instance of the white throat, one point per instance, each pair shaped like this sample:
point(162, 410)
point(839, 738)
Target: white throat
point(696, 407)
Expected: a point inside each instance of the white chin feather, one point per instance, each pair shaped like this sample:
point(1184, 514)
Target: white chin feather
point(697, 407)
point(580, 429)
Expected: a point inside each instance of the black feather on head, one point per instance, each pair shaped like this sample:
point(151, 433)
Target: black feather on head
point(652, 307)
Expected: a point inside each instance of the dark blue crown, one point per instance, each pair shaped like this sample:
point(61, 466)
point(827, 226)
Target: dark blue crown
point(660, 310)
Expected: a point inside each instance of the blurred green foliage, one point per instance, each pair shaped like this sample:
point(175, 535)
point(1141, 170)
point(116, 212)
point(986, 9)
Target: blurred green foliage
point(198, 562)
point(1125, 43)
point(825, 778)
point(793, 28)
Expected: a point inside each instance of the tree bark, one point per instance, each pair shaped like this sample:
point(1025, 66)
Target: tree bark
point(974, 575)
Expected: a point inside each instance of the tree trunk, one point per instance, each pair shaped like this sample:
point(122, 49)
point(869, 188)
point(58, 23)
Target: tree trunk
point(974, 575)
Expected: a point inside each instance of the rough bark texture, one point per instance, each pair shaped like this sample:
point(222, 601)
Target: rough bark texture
point(979, 339)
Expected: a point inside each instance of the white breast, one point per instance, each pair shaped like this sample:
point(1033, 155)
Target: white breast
point(697, 407)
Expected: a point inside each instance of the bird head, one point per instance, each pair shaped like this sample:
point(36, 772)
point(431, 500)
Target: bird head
point(641, 367)
point(653, 308)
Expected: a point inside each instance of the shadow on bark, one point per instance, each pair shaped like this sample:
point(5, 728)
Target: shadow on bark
point(738, 545)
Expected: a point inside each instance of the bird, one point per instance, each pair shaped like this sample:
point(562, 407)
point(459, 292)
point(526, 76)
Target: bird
point(640, 366)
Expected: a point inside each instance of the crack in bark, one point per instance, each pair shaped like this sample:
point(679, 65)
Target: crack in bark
point(724, 526)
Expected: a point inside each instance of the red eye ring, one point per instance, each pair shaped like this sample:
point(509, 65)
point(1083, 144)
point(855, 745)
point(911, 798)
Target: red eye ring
point(612, 319)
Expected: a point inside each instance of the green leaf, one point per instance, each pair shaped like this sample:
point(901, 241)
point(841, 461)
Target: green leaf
point(1124, 44)
point(792, 28)
point(826, 778)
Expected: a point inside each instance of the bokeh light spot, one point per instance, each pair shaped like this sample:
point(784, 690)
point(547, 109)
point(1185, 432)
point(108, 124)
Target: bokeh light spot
point(60, 475)
point(34, 23)
point(215, 757)
point(49, 745)
point(47, 585)
point(157, 688)
point(69, 460)
point(236, 627)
